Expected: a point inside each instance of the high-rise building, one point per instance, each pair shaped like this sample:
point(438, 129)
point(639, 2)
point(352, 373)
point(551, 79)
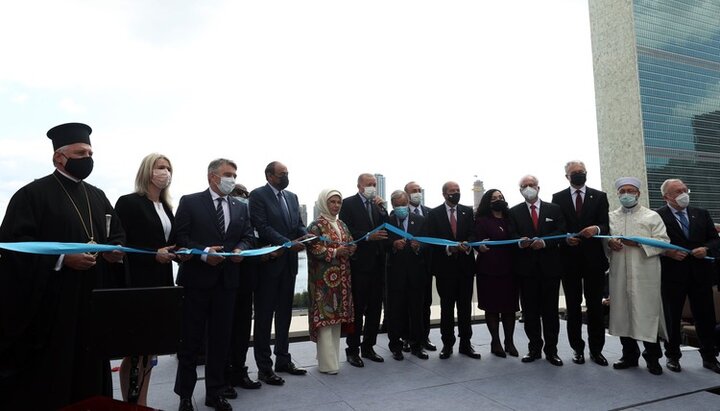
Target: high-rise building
point(381, 186)
point(657, 88)
point(478, 191)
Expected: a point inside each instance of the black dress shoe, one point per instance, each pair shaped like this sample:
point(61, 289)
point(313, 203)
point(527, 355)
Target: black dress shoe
point(242, 380)
point(623, 364)
point(185, 405)
point(555, 360)
point(673, 364)
point(420, 353)
point(578, 357)
point(511, 350)
point(497, 349)
point(291, 369)
point(531, 356)
point(219, 403)
point(398, 355)
point(712, 365)
point(599, 359)
point(371, 355)
point(270, 378)
point(653, 367)
point(446, 352)
point(406, 346)
point(429, 346)
point(229, 392)
point(355, 360)
point(469, 351)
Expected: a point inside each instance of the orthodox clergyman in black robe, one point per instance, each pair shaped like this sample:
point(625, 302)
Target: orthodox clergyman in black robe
point(46, 360)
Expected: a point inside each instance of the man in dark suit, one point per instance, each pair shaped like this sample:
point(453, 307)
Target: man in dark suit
point(214, 222)
point(415, 195)
point(454, 268)
point(586, 213)
point(406, 279)
point(362, 213)
point(688, 275)
point(539, 266)
point(275, 213)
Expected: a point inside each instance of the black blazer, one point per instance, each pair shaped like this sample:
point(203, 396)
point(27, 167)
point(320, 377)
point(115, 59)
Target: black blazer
point(143, 229)
point(439, 227)
point(405, 266)
point(702, 234)
point(547, 261)
point(589, 253)
point(268, 220)
point(196, 227)
point(354, 214)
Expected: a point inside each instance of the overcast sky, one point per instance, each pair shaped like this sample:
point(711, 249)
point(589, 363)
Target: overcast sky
point(416, 90)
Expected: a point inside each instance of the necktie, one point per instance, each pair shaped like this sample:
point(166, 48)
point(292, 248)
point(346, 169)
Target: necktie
point(220, 215)
point(284, 208)
point(368, 206)
point(417, 210)
point(533, 213)
point(578, 202)
point(453, 222)
point(682, 218)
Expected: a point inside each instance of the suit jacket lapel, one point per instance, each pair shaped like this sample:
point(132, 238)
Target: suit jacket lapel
point(212, 209)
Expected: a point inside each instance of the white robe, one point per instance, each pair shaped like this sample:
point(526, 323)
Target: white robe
point(635, 300)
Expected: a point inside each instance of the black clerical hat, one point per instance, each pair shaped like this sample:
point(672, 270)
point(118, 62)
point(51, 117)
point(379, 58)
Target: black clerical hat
point(69, 133)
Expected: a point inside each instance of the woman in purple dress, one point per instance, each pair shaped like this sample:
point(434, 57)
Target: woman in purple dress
point(496, 286)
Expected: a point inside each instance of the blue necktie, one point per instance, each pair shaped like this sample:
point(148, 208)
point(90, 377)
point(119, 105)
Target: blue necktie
point(283, 206)
point(682, 218)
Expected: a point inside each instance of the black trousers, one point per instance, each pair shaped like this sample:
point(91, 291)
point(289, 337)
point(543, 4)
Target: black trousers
point(539, 298)
point(205, 310)
point(455, 289)
point(631, 351)
point(273, 297)
point(427, 304)
point(367, 292)
point(701, 301)
point(242, 319)
point(405, 308)
point(576, 283)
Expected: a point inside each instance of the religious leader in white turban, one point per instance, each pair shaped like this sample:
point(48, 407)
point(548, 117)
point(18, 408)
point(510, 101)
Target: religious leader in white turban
point(636, 312)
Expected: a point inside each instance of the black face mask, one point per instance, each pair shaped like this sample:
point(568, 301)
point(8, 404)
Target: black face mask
point(79, 168)
point(499, 205)
point(453, 198)
point(578, 179)
point(284, 182)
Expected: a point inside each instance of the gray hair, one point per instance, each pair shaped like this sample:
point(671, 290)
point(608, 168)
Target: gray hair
point(397, 194)
point(573, 163)
point(666, 183)
point(219, 162)
point(537, 182)
point(364, 176)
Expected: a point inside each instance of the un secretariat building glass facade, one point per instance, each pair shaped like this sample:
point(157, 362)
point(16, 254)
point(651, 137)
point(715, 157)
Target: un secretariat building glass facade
point(678, 49)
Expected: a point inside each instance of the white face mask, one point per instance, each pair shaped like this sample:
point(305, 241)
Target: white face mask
point(683, 200)
point(227, 185)
point(529, 193)
point(416, 199)
point(161, 178)
point(370, 192)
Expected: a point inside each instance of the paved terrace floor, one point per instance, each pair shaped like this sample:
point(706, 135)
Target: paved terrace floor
point(460, 383)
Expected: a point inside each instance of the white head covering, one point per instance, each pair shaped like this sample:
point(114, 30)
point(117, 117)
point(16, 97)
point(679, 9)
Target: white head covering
point(627, 180)
point(322, 206)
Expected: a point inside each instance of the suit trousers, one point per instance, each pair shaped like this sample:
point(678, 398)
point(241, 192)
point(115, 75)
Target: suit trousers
point(427, 303)
point(455, 289)
point(405, 308)
point(631, 352)
point(205, 310)
point(367, 300)
point(242, 321)
point(328, 348)
point(273, 297)
point(578, 282)
point(539, 299)
point(700, 297)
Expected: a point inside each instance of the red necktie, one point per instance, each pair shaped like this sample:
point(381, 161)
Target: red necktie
point(533, 213)
point(453, 222)
point(578, 202)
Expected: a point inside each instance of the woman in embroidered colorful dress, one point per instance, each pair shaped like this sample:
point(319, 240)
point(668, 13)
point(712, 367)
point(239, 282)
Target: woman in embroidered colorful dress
point(331, 306)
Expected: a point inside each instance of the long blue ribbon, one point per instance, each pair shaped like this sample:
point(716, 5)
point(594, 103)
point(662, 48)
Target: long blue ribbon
point(57, 248)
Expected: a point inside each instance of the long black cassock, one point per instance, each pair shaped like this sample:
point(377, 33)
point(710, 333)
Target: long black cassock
point(45, 360)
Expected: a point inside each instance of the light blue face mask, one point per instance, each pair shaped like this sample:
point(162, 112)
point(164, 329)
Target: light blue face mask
point(402, 212)
point(242, 200)
point(628, 200)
